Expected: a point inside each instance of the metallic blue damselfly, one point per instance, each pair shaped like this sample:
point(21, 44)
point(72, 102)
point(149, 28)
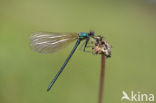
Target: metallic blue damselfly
point(48, 42)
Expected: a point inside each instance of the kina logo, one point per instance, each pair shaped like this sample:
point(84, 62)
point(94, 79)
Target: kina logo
point(137, 96)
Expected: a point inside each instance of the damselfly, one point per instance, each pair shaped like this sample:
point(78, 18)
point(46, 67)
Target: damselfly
point(48, 42)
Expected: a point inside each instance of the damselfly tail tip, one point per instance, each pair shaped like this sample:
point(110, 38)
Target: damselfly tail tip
point(48, 89)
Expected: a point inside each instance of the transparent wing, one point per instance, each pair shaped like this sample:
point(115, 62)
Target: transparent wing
point(48, 42)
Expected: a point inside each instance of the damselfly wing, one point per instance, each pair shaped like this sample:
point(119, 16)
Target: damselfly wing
point(48, 42)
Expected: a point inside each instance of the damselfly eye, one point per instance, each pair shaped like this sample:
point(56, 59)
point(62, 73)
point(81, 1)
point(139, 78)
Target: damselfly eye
point(91, 33)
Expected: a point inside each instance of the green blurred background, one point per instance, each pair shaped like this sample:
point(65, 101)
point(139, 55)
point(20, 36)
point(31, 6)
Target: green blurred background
point(129, 26)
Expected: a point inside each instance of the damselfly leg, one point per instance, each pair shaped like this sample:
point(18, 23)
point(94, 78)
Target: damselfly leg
point(87, 45)
point(86, 42)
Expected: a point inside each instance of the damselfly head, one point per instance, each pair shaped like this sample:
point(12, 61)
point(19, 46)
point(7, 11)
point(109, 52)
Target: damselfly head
point(91, 33)
point(102, 47)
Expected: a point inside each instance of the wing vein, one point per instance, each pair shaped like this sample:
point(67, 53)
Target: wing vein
point(44, 42)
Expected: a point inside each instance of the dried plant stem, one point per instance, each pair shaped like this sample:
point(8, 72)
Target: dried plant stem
point(102, 78)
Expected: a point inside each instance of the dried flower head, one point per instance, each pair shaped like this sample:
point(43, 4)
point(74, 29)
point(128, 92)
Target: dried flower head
point(102, 47)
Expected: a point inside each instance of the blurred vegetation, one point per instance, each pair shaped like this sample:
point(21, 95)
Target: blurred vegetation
point(129, 26)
